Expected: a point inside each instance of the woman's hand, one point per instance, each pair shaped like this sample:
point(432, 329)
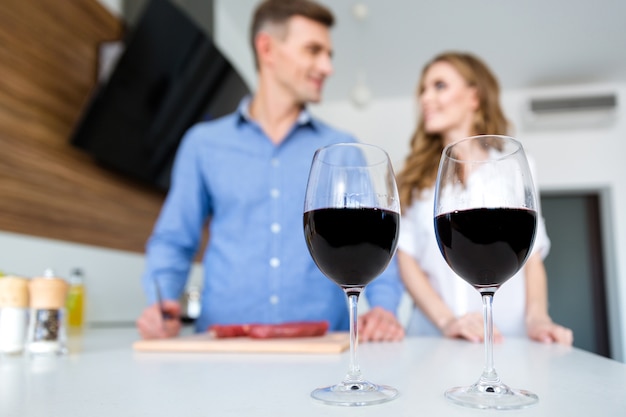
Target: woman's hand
point(470, 327)
point(546, 331)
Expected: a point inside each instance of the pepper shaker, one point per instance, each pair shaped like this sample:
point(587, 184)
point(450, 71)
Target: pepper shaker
point(46, 330)
point(13, 314)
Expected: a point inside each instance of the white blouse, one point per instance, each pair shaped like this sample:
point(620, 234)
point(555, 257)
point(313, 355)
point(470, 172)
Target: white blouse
point(417, 238)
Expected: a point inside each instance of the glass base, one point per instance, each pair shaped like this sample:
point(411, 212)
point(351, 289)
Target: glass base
point(355, 394)
point(491, 396)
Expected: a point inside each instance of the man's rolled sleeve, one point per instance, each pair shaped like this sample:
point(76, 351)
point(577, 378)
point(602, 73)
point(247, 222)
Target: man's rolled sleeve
point(386, 290)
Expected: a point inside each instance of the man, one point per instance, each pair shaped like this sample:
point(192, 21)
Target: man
point(247, 173)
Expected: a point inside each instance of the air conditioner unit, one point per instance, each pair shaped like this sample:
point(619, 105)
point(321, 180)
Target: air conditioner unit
point(571, 111)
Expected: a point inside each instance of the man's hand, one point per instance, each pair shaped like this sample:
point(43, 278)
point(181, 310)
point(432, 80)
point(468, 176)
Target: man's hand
point(379, 325)
point(151, 324)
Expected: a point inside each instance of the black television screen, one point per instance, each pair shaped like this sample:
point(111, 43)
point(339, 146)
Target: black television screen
point(169, 76)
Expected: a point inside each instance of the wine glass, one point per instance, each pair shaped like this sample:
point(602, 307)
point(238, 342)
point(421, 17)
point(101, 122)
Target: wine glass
point(485, 222)
point(351, 226)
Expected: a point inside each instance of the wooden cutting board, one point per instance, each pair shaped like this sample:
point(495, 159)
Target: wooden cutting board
point(333, 342)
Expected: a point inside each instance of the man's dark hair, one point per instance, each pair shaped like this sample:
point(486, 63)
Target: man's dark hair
point(277, 12)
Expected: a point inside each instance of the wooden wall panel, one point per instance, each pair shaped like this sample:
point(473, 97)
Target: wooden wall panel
point(48, 188)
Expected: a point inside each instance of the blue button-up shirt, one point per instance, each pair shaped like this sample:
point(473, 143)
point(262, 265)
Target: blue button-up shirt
point(249, 192)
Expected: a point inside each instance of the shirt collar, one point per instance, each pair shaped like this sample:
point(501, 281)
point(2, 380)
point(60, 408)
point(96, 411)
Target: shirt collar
point(243, 110)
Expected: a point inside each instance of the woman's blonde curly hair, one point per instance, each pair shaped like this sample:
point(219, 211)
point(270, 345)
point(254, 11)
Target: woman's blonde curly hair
point(420, 167)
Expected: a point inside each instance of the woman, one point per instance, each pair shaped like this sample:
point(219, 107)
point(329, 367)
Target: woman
point(459, 97)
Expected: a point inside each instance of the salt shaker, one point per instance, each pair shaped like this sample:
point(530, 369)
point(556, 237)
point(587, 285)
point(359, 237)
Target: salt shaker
point(46, 330)
point(13, 314)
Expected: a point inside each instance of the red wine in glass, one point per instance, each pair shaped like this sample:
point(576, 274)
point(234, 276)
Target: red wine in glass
point(485, 219)
point(486, 246)
point(351, 225)
point(351, 246)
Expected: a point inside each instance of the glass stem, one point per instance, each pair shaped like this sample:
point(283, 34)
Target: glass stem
point(489, 372)
point(354, 372)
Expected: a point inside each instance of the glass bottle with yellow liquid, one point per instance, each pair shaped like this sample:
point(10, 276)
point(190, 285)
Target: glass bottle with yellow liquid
point(75, 303)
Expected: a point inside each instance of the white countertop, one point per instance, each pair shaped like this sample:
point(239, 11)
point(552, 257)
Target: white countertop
point(103, 377)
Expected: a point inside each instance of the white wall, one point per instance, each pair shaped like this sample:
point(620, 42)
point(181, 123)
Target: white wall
point(572, 156)
point(588, 155)
point(112, 277)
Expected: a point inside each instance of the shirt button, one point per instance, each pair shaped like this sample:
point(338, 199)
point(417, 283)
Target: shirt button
point(274, 262)
point(275, 193)
point(274, 299)
point(275, 162)
point(275, 228)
